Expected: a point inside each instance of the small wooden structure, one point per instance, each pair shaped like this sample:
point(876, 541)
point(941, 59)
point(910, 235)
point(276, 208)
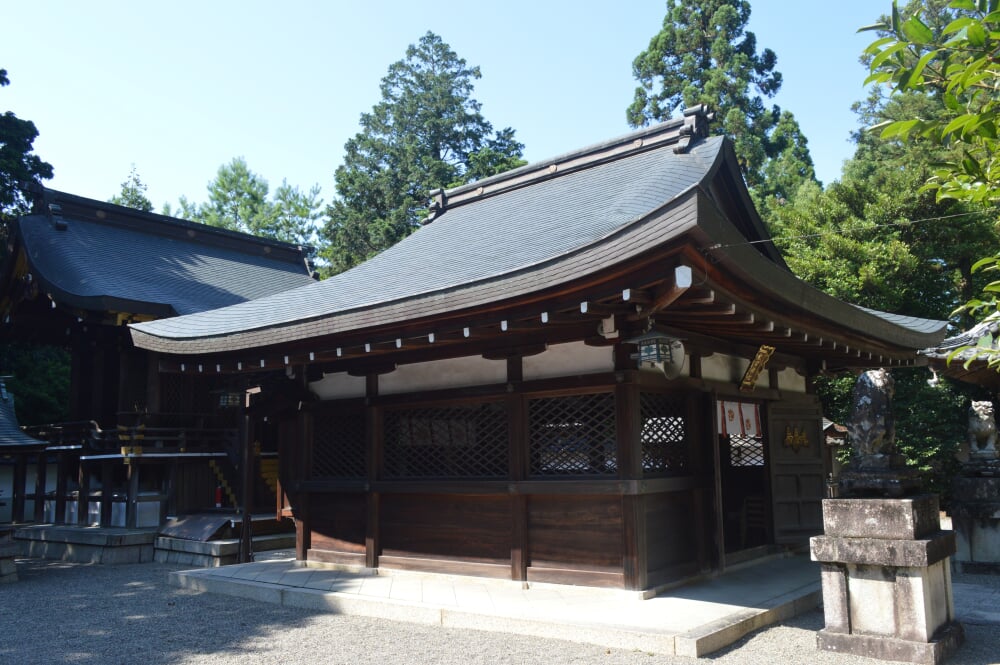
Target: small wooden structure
point(17, 451)
point(140, 444)
point(594, 369)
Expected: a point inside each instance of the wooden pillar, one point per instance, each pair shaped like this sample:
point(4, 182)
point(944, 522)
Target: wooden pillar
point(303, 524)
point(153, 382)
point(720, 530)
point(373, 421)
point(518, 455)
point(20, 487)
point(168, 506)
point(80, 361)
point(40, 473)
point(83, 496)
point(628, 425)
point(699, 415)
point(106, 493)
point(62, 471)
point(246, 528)
point(132, 499)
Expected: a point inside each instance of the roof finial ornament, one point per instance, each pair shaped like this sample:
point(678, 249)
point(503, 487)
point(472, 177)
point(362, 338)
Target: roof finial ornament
point(436, 204)
point(696, 119)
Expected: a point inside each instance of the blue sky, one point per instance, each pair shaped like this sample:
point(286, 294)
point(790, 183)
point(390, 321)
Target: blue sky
point(180, 88)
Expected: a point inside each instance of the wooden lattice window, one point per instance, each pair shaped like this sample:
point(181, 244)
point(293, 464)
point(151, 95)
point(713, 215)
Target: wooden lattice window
point(663, 436)
point(746, 450)
point(173, 393)
point(186, 394)
point(572, 435)
point(339, 444)
point(462, 441)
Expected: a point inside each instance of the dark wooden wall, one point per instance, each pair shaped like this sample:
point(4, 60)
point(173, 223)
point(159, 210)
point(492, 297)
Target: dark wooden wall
point(632, 512)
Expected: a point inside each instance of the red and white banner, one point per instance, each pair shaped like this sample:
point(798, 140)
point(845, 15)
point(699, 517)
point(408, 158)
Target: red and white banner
point(729, 418)
point(750, 417)
point(739, 419)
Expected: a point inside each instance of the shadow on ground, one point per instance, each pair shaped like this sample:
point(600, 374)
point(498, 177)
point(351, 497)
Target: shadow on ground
point(126, 614)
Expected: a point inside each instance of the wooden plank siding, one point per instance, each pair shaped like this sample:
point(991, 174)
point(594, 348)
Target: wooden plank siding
point(622, 526)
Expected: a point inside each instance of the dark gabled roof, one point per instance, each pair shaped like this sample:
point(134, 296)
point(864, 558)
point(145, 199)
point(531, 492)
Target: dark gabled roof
point(541, 228)
point(969, 352)
point(12, 439)
point(96, 256)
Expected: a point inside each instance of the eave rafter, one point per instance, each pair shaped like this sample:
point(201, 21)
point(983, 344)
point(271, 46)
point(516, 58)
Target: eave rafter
point(604, 315)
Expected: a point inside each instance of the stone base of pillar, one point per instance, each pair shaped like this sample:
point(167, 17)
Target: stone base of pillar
point(945, 643)
point(886, 578)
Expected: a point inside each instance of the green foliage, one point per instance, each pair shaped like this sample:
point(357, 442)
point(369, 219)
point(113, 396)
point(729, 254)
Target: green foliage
point(878, 238)
point(39, 383)
point(931, 421)
point(19, 167)
point(427, 132)
point(133, 193)
point(958, 64)
point(704, 55)
point(238, 200)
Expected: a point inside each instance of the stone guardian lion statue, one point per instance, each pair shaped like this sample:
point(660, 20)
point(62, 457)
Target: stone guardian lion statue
point(871, 429)
point(982, 429)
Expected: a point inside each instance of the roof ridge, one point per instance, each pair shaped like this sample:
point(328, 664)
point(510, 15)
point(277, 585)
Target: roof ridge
point(678, 132)
point(61, 207)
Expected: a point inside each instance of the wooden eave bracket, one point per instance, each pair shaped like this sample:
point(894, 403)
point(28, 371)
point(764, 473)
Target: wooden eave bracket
point(664, 297)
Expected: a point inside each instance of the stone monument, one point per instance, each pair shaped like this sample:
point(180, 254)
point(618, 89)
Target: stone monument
point(886, 572)
point(876, 469)
point(975, 492)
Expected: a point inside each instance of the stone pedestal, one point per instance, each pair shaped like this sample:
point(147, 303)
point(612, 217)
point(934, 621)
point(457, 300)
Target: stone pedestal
point(887, 580)
point(879, 475)
point(975, 516)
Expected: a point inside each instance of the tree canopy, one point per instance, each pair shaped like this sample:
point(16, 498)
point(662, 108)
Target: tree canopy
point(955, 63)
point(240, 200)
point(133, 193)
point(19, 166)
point(704, 54)
point(877, 237)
point(427, 132)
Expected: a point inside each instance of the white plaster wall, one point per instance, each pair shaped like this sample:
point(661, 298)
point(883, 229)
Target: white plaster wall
point(568, 360)
point(791, 381)
point(438, 374)
point(729, 369)
point(339, 386)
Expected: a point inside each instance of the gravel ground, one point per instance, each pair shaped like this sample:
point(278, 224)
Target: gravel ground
point(107, 615)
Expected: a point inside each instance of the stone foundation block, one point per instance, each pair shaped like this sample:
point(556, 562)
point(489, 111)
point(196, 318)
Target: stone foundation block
point(886, 575)
point(878, 551)
point(885, 519)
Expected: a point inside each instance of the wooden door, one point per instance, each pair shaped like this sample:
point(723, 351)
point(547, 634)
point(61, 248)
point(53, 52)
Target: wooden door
point(798, 474)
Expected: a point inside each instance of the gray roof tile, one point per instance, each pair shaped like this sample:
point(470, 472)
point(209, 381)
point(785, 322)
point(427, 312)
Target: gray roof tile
point(97, 256)
point(478, 241)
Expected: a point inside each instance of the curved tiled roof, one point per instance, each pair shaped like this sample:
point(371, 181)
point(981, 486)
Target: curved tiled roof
point(478, 241)
point(548, 226)
point(97, 256)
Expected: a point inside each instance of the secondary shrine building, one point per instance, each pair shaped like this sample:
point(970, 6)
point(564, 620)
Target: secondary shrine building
point(591, 370)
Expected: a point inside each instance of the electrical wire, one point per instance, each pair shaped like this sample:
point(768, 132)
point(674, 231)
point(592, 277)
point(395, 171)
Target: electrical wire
point(844, 232)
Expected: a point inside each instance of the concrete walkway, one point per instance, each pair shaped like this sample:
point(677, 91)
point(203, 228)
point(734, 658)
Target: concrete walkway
point(692, 620)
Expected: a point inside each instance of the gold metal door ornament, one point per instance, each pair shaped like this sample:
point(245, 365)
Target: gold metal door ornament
point(795, 438)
